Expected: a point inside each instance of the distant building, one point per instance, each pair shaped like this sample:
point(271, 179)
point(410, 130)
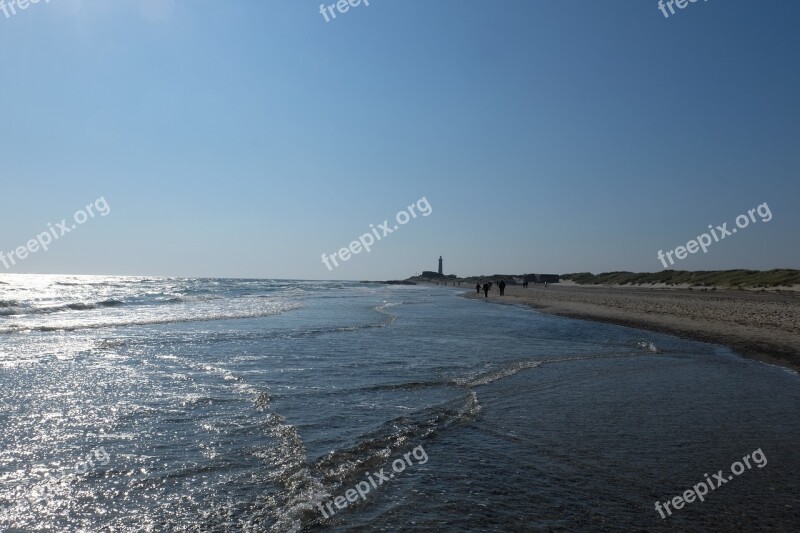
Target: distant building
point(541, 278)
point(440, 265)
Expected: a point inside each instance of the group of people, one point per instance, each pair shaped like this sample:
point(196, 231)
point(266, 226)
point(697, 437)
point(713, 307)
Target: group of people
point(487, 286)
point(525, 284)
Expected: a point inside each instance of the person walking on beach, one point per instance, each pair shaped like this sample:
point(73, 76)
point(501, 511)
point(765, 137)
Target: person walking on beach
point(486, 288)
point(478, 287)
point(525, 284)
point(502, 287)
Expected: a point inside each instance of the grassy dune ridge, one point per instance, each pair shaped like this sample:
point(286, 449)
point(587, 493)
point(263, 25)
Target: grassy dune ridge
point(736, 279)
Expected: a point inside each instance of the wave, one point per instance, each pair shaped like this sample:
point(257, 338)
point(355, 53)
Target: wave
point(87, 284)
point(649, 346)
point(13, 307)
point(260, 335)
point(503, 372)
point(323, 331)
point(404, 386)
point(306, 484)
point(74, 307)
point(339, 466)
point(9, 307)
point(16, 328)
point(514, 367)
point(179, 298)
point(290, 470)
point(389, 317)
point(335, 329)
point(96, 305)
point(109, 344)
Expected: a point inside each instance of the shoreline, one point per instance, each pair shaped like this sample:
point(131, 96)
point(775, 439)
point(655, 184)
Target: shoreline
point(764, 326)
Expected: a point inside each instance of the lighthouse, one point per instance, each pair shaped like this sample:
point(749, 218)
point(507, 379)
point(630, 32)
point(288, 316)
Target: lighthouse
point(440, 265)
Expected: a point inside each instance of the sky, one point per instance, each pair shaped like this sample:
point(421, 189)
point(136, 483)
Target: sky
point(245, 138)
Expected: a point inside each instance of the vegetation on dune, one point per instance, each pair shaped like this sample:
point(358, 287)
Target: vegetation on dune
point(740, 279)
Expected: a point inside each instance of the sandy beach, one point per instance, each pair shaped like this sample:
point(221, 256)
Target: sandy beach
point(760, 325)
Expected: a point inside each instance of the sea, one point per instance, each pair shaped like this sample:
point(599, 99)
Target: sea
point(175, 404)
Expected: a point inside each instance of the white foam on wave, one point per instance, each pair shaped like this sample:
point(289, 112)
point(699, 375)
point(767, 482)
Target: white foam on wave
point(647, 345)
point(509, 369)
point(504, 372)
point(289, 469)
point(306, 485)
point(123, 319)
point(389, 316)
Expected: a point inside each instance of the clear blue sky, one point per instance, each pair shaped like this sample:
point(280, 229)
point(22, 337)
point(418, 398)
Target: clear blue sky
point(245, 138)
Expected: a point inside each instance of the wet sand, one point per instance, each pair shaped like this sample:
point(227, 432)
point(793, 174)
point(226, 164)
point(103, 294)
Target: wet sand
point(760, 325)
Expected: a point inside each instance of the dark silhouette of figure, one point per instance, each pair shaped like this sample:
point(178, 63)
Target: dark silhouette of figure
point(486, 288)
point(525, 284)
point(502, 287)
point(478, 287)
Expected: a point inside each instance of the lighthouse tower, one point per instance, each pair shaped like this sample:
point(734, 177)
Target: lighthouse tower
point(440, 265)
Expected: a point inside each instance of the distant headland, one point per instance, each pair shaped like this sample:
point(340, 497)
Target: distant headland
point(788, 279)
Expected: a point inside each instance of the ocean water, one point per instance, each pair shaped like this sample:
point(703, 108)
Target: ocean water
point(153, 404)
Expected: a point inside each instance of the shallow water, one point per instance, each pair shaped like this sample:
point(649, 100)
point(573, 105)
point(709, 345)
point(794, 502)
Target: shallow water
point(174, 404)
